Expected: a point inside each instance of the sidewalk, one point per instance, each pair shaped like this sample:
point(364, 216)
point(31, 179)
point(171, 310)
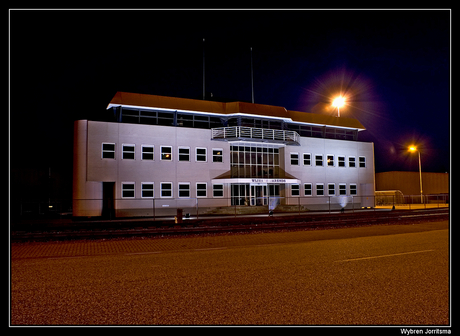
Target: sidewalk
point(413, 206)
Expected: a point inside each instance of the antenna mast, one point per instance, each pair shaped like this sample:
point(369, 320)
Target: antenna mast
point(252, 80)
point(204, 93)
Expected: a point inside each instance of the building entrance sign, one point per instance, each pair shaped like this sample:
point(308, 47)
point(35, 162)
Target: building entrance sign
point(256, 181)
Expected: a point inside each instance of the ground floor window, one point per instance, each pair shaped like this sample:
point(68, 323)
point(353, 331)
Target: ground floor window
point(166, 189)
point(218, 190)
point(295, 190)
point(184, 190)
point(240, 194)
point(353, 189)
point(147, 189)
point(307, 188)
point(331, 189)
point(201, 189)
point(319, 189)
point(253, 194)
point(127, 189)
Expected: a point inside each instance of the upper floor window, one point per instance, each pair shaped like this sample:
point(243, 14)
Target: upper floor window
point(319, 160)
point(166, 153)
point(217, 155)
point(201, 154)
point(184, 154)
point(352, 162)
point(362, 162)
point(128, 152)
point(108, 151)
point(147, 152)
point(295, 159)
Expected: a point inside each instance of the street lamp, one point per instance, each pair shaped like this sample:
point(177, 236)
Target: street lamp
point(414, 149)
point(338, 102)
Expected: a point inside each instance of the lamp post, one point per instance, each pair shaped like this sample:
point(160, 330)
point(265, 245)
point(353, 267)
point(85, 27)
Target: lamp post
point(338, 102)
point(414, 149)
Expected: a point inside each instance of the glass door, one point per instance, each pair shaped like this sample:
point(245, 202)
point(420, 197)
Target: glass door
point(258, 195)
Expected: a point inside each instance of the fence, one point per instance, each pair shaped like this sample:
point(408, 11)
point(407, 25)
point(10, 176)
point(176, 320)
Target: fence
point(157, 208)
point(238, 132)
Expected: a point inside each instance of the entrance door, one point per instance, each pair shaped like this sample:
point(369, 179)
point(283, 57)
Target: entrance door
point(258, 193)
point(108, 192)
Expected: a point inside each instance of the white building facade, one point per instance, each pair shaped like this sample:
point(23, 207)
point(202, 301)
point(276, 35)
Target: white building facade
point(158, 154)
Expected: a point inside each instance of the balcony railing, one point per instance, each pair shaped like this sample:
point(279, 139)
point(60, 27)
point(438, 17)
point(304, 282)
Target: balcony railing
point(256, 134)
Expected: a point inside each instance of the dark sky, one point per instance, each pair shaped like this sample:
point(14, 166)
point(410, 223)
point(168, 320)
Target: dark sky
point(393, 66)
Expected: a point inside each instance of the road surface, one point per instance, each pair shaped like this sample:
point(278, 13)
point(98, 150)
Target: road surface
point(375, 275)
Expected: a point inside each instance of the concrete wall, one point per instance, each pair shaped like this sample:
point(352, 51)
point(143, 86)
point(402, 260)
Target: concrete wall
point(90, 169)
point(409, 182)
point(362, 177)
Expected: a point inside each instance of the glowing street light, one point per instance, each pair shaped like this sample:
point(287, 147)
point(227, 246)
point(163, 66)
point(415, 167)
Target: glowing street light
point(414, 149)
point(338, 102)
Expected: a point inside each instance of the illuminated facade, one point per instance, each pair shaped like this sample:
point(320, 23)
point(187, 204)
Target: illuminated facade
point(158, 153)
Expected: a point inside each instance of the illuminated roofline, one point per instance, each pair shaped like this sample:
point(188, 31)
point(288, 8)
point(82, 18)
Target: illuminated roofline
point(289, 120)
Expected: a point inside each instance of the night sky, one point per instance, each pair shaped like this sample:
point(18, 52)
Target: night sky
point(393, 67)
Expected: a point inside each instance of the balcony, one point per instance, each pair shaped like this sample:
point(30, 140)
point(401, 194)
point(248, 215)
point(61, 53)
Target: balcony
point(255, 134)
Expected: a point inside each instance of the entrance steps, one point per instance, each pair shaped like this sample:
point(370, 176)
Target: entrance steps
point(253, 210)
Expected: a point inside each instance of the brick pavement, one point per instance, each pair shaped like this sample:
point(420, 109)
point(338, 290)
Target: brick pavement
point(175, 243)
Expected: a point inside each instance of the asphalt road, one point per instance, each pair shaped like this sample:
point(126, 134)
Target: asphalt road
point(379, 275)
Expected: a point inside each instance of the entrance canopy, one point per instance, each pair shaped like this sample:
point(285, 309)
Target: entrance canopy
point(257, 180)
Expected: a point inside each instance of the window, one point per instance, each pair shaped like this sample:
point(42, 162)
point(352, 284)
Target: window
point(127, 189)
point(342, 189)
point(341, 161)
point(166, 153)
point(362, 162)
point(128, 152)
point(306, 159)
point(147, 152)
point(295, 190)
point(331, 189)
point(108, 151)
point(295, 159)
point(352, 162)
point(147, 189)
point(218, 190)
point(319, 160)
point(201, 154)
point(166, 190)
point(319, 189)
point(184, 154)
point(307, 188)
point(184, 190)
point(330, 160)
point(353, 189)
point(217, 155)
point(201, 189)
point(260, 162)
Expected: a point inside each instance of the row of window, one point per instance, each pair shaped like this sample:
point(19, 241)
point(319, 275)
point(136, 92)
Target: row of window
point(183, 189)
point(166, 153)
point(166, 190)
point(319, 187)
point(330, 160)
point(181, 119)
